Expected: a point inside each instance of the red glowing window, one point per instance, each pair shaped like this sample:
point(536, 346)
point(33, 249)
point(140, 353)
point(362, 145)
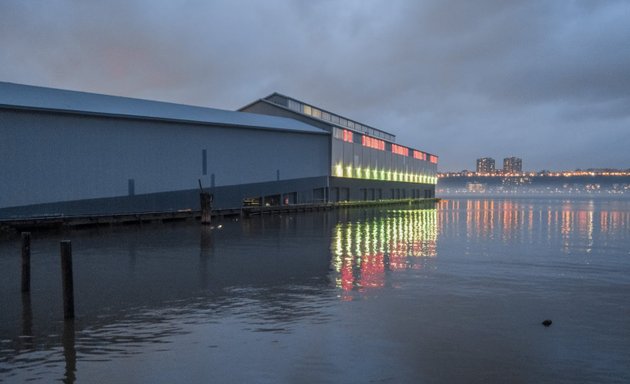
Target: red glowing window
point(347, 136)
point(371, 142)
point(399, 150)
point(419, 155)
point(433, 159)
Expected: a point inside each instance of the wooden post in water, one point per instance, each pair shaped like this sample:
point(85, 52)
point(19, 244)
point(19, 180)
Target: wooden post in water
point(205, 199)
point(26, 261)
point(206, 208)
point(66, 279)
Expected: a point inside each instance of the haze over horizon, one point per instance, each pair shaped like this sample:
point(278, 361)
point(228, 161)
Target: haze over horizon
point(548, 82)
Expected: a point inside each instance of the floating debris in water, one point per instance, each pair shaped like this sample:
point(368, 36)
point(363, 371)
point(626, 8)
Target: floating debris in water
point(546, 323)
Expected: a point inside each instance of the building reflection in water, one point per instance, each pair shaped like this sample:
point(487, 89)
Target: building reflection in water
point(575, 222)
point(364, 251)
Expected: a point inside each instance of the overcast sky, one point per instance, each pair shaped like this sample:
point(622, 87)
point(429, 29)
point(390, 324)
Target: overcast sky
point(547, 81)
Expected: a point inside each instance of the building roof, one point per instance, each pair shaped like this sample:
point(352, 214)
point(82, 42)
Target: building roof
point(335, 120)
point(20, 96)
point(323, 115)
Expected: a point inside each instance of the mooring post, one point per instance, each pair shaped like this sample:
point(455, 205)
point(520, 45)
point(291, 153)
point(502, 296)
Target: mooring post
point(66, 279)
point(206, 207)
point(26, 261)
point(205, 200)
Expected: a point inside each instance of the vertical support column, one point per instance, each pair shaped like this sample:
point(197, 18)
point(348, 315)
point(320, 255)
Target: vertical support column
point(66, 279)
point(26, 262)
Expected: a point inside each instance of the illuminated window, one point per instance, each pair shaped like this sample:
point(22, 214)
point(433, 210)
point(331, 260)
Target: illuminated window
point(372, 142)
point(400, 150)
point(419, 155)
point(316, 113)
point(347, 136)
point(307, 110)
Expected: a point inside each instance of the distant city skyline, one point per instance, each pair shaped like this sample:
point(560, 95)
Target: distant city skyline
point(499, 173)
point(546, 81)
point(510, 165)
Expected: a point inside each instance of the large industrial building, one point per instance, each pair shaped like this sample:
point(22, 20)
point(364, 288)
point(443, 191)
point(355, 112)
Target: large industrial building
point(67, 153)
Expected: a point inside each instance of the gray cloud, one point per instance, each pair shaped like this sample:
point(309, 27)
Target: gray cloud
point(547, 81)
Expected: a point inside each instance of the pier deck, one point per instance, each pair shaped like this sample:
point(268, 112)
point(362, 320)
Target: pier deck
point(49, 222)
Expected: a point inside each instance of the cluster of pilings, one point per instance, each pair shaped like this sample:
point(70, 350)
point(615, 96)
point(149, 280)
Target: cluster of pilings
point(66, 273)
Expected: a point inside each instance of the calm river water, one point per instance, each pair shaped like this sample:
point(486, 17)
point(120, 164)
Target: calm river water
point(448, 294)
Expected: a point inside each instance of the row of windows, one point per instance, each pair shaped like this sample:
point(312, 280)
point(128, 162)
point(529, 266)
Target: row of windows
point(364, 159)
point(368, 140)
point(335, 119)
point(347, 170)
point(372, 142)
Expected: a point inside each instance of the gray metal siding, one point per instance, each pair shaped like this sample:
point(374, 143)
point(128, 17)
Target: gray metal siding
point(52, 157)
point(226, 197)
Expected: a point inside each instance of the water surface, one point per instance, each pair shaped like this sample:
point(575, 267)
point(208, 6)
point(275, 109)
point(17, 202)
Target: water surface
point(452, 293)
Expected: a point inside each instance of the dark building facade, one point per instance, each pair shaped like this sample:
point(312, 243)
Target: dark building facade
point(67, 153)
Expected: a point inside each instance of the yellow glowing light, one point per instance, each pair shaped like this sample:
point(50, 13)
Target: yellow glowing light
point(339, 170)
point(349, 171)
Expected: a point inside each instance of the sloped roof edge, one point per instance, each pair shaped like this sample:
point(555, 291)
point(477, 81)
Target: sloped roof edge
point(22, 96)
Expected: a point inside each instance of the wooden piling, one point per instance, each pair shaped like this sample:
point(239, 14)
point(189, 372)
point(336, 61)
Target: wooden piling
point(206, 207)
point(26, 261)
point(66, 279)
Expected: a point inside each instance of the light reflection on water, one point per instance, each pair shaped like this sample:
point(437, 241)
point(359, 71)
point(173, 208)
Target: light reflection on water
point(453, 293)
point(364, 251)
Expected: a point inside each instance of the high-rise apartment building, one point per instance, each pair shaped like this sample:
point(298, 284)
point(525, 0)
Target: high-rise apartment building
point(512, 165)
point(485, 165)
